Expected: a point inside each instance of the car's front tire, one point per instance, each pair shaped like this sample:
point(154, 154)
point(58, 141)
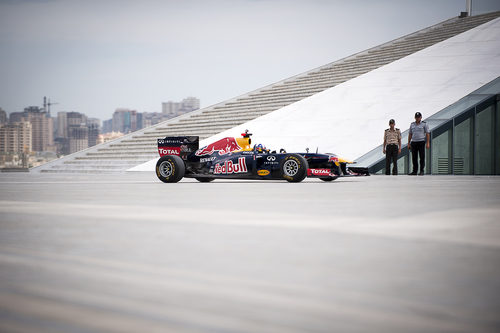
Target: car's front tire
point(294, 168)
point(170, 168)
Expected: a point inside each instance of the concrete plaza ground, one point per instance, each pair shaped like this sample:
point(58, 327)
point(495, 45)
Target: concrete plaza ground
point(127, 253)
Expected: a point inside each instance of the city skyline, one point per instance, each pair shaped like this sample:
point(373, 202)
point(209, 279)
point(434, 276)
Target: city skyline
point(174, 109)
point(35, 135)
point(95, 57)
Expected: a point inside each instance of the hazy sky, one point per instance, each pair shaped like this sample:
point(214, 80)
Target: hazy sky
point(96, 56)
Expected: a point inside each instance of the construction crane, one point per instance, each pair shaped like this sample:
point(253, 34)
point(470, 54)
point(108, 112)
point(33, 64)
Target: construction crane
point(47, 104)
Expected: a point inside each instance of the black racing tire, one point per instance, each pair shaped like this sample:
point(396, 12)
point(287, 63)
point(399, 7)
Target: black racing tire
point(170, 168)
point(328, 179)
point(204, 179)
point(294, 168)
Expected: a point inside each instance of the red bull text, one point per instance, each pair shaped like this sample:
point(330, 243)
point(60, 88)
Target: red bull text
point(229, 167)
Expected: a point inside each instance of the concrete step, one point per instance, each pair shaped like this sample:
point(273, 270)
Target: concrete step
point(193, 129)
point(134, 145)
point(124, 153)
point(91, 167)
point(241, 110)
point(150, 150)
point(200, 123)
point(114, 162)
point(140, 160)
point(202, 135)
point(240, 117)
point(89, 171)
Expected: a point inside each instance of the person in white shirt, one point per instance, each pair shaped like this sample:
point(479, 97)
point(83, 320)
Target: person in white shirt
point(418, 140)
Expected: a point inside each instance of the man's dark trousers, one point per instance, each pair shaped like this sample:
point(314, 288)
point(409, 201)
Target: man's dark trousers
point(418, 148)
point(391, 153)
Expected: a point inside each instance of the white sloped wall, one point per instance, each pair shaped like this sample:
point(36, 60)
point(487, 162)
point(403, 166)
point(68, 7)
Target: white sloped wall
point(349, 118)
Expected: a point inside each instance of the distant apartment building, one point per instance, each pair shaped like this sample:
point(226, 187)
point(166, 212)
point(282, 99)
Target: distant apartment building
point(3, 117)
point(94, 122)
point(16, 137)
point(75, 131)
point(93, 134)
point(76, 118)
point(152, 118)
point(126, 121)
point(62, 125)
point(107, 126)
point(190, 104)
point(78, 136)
point(16, 117)
point(172, 109)
point(41, 128)
point(15, 144)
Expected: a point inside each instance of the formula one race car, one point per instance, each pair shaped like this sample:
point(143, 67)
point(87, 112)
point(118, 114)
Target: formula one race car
point(234, 158)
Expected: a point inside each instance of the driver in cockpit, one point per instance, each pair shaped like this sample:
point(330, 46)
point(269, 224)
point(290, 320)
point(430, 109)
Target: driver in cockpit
point(260, 149)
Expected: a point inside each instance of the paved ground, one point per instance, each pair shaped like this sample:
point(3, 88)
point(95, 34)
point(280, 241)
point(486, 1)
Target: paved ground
point(126, 253)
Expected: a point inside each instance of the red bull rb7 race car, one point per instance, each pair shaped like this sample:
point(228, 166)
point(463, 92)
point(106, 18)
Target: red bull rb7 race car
point(235, 158)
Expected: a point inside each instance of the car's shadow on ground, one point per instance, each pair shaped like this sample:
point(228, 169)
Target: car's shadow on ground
point(224, 181)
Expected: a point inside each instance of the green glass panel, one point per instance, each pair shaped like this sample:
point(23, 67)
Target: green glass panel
point(483, 155)
point(441, 153)
point(462, 152)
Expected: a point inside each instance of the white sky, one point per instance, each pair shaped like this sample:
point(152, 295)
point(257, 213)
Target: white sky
point(95, 56)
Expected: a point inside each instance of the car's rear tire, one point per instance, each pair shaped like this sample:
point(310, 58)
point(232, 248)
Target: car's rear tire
point(170, 168)
point(204, 179)
point(294, 168)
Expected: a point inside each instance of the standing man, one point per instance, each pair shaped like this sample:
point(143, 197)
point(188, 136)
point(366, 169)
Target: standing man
point(392, 147)
point(418, 138)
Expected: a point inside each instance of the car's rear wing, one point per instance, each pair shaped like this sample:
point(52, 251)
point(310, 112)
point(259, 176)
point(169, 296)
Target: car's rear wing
point(178, 145)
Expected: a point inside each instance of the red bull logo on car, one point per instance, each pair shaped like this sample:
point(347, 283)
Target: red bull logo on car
point(223, 146)
point(229, 167)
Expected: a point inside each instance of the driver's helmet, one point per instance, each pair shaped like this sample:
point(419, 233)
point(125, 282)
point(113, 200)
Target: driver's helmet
point(260, 148)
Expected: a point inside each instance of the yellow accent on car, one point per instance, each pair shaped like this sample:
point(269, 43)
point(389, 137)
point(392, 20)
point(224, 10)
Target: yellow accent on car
point(343, 160)
point(263, 172)
point(244, 143)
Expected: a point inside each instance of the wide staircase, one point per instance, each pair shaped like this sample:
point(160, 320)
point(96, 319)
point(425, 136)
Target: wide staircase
point(140, 146)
